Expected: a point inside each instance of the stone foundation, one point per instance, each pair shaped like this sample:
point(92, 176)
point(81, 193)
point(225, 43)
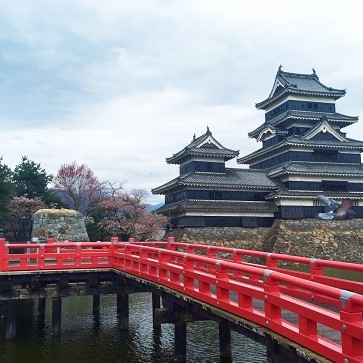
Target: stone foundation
point(60, 224)
point(330, 240)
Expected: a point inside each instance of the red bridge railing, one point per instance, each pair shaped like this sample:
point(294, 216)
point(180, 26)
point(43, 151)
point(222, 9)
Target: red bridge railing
point(286, 304)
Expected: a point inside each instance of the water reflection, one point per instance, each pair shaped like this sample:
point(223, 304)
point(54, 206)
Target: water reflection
point(99, 339)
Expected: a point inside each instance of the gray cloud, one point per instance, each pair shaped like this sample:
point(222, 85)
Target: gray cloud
point(122, 85)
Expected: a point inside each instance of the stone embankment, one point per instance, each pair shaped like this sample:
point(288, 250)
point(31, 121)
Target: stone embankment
point(330, 240)
point(60, 224)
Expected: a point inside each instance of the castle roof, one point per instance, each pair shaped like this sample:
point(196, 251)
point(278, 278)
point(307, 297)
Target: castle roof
point(218, 206)
point(203, 146)
point(336, 141)
point(232, 178)
point(284, 193)
point(287, 83)
point(334, 118)
point(326, 169)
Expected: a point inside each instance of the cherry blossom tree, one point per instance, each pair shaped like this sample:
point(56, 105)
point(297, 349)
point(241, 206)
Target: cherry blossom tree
point(77, 186)
point(125, 215)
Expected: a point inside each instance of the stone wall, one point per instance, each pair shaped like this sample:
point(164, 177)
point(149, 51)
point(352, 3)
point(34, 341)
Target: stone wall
point(60, 224)
point(330, 240)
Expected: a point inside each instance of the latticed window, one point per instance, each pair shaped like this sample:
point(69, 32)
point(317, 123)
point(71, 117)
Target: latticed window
point(325, 155)
point(334, 186)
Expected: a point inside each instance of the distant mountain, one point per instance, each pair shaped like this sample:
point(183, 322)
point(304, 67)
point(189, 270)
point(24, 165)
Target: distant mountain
point(152, 207)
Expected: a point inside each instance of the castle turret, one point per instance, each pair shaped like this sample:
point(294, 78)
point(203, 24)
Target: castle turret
point(304, 149)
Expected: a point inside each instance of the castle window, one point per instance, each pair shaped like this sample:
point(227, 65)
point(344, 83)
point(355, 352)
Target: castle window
point(334, 186)
point(325, 155)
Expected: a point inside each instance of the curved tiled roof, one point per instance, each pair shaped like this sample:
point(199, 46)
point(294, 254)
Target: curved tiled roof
point(294, 140)
point(205, 145)
point(315, 168)
point(283, 192)
point(219, 206)
point(297, 83)
point(337, 118)
point(232, 178)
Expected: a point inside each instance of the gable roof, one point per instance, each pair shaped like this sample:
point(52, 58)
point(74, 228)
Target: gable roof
point(324, 127)
point(298, 83)
point(205, 145)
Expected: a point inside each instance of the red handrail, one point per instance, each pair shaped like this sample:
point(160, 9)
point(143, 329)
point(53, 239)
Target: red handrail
point(252, 292)
point(316, 269)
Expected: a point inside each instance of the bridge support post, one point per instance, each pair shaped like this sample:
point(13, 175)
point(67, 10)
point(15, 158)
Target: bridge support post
point(56, 315)
point(123, 310)
point(41, 306)
point(2, 309)
point(225, 346)
point(96, 304)
point(180, 342)
point(11, 320)
point(156, 305)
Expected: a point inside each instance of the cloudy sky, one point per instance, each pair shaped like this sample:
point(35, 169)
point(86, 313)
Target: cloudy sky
point(122, 84)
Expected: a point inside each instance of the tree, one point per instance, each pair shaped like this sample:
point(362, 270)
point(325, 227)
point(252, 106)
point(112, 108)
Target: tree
point(20, 216)
point(7, 189)
point(125, 215)
point(77, 186)
point(31, 180)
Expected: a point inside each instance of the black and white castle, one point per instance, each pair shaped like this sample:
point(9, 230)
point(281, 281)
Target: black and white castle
point(304, 153)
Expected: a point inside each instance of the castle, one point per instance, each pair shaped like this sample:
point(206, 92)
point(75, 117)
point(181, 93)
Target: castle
point(304, 153)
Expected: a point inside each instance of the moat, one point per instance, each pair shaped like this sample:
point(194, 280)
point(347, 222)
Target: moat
point(98, 339)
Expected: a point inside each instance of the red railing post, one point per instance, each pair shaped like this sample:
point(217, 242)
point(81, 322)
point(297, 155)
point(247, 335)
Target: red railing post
point(111, 251)
point(308, 327)
point(162, 261)
point(50, 249)
point(131, 240)
point(3, 254)
point(271, 287)
point(351, 317)
point(41, 260)
point(143, 261)
point(170, 241)
point(271, 261)
point(78, 251)
point(188, 264)
point(221, 274)
point(315, 268)
point(114, 239)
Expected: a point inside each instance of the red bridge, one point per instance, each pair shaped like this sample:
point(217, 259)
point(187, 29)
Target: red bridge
point(318, 313)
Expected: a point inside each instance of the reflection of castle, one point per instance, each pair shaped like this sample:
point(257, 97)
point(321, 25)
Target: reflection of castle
point(304, 153)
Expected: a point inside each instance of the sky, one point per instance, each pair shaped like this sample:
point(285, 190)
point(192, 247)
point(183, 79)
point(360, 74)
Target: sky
point(122, 85)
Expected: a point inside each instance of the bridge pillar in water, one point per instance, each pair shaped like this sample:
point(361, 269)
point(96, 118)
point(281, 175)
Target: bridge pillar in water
point(156, 305)
point(225, 346)
point(180, 342)
point(123, 310)
point(41, 306)
point(96, 304)
point(11, 320)
point(180, 336)
point(56, 315)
